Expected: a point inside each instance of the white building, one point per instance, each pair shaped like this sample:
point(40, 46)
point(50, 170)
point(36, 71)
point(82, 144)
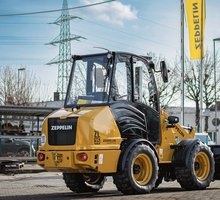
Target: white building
point(189, 119)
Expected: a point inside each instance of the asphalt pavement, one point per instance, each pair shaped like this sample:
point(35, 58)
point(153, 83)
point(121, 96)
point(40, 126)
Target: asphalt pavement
point(33, 183)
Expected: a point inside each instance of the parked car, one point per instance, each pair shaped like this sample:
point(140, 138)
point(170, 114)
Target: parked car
point(205, 138)
point(15, 147)
point(35, 142)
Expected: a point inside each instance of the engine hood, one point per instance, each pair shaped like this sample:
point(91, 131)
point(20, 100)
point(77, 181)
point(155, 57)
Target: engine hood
point(85, 128)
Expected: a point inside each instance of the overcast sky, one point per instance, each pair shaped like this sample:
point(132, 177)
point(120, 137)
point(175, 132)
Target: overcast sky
point(137, 26)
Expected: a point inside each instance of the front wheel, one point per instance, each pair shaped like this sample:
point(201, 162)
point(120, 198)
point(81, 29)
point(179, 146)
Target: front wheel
point(140, 172)
point(81, 183)
point(199, 171)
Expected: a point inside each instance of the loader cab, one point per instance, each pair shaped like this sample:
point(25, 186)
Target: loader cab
point(133, 81)
point(125, 82)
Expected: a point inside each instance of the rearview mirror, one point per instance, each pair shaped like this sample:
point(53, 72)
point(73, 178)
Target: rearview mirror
point(164, 71)
point(151, 65)
point(173, 120)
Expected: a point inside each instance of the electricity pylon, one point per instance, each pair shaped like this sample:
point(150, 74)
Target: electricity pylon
point(64, 40)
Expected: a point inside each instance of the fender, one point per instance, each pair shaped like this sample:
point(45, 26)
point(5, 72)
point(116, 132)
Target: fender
point(128, 145)
point(182, 151)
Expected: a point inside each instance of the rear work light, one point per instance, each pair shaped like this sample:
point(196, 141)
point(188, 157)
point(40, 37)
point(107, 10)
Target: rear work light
point(41, 157)
point(82, 157)
point(43, 139)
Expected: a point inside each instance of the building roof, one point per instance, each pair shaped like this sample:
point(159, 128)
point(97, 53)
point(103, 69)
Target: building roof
point(26, 110)
point(49, 104)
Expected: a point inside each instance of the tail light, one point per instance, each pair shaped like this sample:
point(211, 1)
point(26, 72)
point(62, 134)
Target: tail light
point(82, 157)
point(41, 157)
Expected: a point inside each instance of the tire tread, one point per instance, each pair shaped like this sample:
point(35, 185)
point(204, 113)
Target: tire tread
point(121, 179)
point(76, 183)
point(185, 175)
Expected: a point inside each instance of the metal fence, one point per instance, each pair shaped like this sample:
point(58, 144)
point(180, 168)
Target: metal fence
point(22, 148)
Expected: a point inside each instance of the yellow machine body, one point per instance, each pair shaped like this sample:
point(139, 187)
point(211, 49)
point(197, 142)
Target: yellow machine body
point(112, 125)
point(97, 135)
point(170, 136)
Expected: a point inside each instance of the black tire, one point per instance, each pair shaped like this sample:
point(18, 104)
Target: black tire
point(135, 178)
point(199, 172)
point(159, 180)
point(82, 183)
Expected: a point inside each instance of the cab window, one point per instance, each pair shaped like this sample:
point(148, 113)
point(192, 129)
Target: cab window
point(141, 82)
point(121, 84)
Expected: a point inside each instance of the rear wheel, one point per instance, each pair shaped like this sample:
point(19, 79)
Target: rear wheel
point(140, 172)
point(81, 183)
point(199, 171)
point(159, 180)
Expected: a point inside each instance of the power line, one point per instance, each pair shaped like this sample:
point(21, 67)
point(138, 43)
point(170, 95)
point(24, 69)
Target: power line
point(97, 24)
point(124, 32)
point(158, 23)
point(139, 17)
point(15, 23)
point(90, 35)
point(113, 46)
point(56, 10)
point(131, 34)
point(127, 33)
point(21, 44)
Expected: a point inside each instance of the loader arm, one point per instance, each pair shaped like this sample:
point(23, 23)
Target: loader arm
point(171, 135)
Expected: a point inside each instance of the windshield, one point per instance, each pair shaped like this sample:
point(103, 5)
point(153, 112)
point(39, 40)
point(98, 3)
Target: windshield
point(89, 81)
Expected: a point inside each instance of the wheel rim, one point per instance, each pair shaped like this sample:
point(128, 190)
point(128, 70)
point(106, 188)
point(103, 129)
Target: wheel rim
point(142, 169)
point(202, 166)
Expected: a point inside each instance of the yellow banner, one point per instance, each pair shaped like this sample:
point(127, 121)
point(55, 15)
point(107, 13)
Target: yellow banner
point(195, 11)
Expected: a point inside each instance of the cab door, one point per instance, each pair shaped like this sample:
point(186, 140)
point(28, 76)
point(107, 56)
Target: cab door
point(146, 98)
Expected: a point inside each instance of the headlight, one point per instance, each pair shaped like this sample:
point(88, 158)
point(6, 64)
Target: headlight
point(43, 139)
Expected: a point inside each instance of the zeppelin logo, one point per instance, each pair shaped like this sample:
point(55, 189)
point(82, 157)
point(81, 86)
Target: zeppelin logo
point(197, 28)
point(179, 131)
point(61, 128)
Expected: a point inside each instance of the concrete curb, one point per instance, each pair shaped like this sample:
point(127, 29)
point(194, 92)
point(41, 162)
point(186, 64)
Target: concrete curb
point(29, 171)
point(22, 169)
point(30, 168)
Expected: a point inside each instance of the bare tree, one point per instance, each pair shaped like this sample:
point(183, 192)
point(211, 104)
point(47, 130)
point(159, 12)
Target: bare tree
point(7, 85)
point(18, 92)
point(192, 81)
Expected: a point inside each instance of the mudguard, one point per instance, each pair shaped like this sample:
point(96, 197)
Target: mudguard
point(126, 148)
point(182, 151)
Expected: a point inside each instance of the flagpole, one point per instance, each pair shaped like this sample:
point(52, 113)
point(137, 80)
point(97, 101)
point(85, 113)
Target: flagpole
point(182, 59)
point(201, 72)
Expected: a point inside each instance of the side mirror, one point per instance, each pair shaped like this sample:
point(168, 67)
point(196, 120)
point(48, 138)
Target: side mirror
point(151, 65)
point(164, 71)
point(173, 120)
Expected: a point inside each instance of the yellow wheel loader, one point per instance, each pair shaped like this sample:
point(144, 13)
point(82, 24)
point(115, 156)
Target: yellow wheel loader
point(112, 125)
